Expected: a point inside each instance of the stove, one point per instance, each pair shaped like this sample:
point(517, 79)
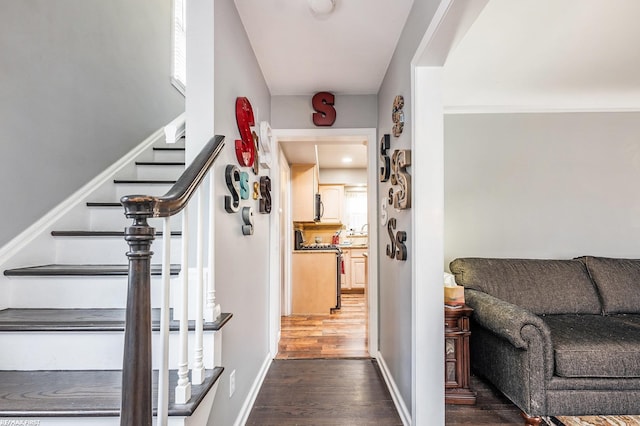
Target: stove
point(299, 244)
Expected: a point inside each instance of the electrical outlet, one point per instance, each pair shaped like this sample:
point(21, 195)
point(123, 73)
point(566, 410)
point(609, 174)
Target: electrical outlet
point(232, 383)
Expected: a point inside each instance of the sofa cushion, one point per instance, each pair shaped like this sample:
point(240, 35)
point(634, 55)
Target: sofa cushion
point(618, 281)
point(595, 345)
point(541, 286)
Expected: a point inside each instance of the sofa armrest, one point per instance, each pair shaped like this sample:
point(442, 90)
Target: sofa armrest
point(520, 327)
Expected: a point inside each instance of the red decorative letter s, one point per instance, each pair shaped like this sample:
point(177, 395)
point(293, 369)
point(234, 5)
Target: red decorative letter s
point(245, 147)
point(323, 103)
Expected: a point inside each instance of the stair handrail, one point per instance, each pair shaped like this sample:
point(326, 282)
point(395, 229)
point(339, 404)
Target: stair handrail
point(136, 401)
point(178, 196)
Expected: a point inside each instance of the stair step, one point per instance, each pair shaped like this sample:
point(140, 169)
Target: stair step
point(59, 320)
point(81, 270)
point(103, 233)
point(85, 393)
point(104, 204)
point(160, 163)
point(168, 148)
point(144, 181)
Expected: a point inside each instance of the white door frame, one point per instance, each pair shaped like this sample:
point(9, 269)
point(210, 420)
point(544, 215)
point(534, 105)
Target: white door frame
point(450, 22)
point(291, 135)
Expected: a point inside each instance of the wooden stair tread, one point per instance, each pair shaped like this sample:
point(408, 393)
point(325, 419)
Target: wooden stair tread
point(103, 233)
point(168, 148)
point(103, 204)
point(83, 393)
point(82, 270)
point(145, 181)
point(47, 319)
point(160, 163)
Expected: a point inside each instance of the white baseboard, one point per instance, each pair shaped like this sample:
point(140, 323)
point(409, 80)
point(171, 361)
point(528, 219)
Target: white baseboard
point(243, 416)
point(404, 413)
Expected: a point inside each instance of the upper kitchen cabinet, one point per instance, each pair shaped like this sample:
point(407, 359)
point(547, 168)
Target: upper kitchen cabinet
point(332, 197)
point(304, 186)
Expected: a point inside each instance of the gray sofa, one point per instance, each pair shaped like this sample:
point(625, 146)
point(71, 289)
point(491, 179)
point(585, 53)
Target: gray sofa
point(557, 337)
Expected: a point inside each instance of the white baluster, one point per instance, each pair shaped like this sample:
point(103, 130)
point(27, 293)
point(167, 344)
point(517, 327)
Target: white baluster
point(183, 388)
point(213, 311)
point(197, 372)
point(163, 373)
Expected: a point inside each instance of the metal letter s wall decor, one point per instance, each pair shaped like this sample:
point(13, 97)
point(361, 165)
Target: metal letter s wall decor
point(232, 177)
point(385, 167)
point(397, 115)
point(401, 160)
point(238, 181)
point(393, 169)
point(325, 114)
point(265, 191)
point(245, 146)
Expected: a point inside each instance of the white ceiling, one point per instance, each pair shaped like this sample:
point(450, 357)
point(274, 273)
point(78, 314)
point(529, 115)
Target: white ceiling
point(327, 153)
point(346, 53)
point(518, 54)
point(548, 54)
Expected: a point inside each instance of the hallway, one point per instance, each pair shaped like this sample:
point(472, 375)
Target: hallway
point(324, 392)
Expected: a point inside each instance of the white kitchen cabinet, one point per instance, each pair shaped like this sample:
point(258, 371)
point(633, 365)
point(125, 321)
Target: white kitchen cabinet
point(355, 268)
point(333, 201)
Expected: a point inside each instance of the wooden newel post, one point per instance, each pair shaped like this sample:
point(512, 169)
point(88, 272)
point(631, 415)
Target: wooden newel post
point(136, 406)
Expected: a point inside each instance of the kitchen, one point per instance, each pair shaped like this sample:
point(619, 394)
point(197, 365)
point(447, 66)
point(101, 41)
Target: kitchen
point(329, 258)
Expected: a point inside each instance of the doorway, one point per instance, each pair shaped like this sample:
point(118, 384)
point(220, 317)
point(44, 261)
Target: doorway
point(357, 318)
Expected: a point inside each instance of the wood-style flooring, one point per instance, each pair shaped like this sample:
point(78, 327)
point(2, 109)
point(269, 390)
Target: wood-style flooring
point(304, 386)
point(336, 392)
point(343, 334)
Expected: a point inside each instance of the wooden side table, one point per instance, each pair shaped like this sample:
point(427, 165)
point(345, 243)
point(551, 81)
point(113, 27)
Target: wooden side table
point(456, 358)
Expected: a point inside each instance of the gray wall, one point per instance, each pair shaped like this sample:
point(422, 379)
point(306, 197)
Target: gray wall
point(395, 276)
point(242, 262)
point(542, 185)
point(82, 82)
point(296, 112)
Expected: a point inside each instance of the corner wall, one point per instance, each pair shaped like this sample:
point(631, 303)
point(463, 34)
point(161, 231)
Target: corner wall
point(83, 82)
point(554, 185)
point(242, 262)
point(395, 276)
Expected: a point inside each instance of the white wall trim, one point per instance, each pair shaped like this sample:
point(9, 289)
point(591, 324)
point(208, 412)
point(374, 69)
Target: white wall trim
point(449, 24)
point(176, 129)
point(533, 109)
point(403, 411)
point(243, 415)
point(294, 135)
point(74, 200)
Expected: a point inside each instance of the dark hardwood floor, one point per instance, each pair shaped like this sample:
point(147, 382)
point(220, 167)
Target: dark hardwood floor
point(491, 408)
point(312, 383)
point(324, 392)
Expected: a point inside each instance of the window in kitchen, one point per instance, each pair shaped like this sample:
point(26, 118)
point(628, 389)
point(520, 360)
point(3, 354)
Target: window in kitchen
point(179, 62)
point(355, 208)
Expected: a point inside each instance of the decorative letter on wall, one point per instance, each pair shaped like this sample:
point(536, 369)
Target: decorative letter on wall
point(232, 177)
point(325, 114)
point(400, 160)
point(397, 115)
point(238, 183)
point(265, 191)
point(245, 147)
point(385, 168)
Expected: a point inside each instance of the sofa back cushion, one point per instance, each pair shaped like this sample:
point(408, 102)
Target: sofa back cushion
point(618, 281)
point(540, 286)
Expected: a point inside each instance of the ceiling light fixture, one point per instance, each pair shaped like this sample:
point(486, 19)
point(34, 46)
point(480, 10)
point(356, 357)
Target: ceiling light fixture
point(347, 159)
point(321, 8)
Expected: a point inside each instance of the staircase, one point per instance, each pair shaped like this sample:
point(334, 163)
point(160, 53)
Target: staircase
point(64, 294)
